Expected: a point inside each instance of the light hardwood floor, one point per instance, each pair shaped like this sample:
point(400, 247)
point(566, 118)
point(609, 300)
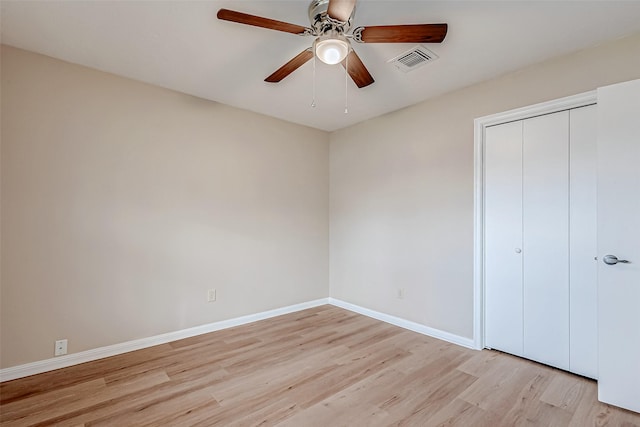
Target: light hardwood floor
point(320, 367)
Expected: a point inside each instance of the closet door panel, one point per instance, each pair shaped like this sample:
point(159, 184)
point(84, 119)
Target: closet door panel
point(546, 238)
point(503, 237)
point(583, 267)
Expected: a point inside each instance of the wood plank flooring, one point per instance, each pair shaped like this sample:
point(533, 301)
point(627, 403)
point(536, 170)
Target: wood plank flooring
point(320, 367)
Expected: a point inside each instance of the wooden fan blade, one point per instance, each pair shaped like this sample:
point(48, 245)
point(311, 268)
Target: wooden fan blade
point(420, 33)
point(341, 9)
point(358, 72)
point(290, 66)
point(258, 21)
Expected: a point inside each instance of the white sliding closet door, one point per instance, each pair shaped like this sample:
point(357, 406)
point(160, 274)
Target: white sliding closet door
point(583, 267)
point(546, 238)
point(503, 242)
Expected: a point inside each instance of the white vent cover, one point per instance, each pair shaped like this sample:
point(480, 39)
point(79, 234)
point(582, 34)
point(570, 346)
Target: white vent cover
point(413, 59)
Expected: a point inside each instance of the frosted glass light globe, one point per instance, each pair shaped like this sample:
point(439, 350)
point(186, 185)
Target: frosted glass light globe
point(332, 50)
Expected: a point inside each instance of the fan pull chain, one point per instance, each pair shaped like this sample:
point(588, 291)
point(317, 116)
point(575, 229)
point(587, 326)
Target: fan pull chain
point(313, 99)
point(346, 85)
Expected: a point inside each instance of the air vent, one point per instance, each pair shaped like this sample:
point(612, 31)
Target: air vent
point(413, 59)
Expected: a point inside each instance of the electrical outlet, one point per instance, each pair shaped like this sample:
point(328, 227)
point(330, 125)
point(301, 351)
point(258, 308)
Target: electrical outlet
point(61, 348)
point(400, 293)
point(211, 295)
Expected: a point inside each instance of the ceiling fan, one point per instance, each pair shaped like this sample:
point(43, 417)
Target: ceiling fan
point(330, 24)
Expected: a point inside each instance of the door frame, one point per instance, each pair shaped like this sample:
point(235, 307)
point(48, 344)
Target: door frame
point(480, 124)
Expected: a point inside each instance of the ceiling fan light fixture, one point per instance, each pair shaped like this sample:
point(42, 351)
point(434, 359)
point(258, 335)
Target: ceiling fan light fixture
point(332, 49)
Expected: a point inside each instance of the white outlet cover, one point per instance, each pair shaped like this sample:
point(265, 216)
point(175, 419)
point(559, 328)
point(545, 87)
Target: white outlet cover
point(60, 348)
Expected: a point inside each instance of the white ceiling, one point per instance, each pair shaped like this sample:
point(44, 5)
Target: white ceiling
point(181, 45)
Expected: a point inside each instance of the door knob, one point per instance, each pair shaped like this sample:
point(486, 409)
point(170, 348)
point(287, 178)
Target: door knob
point(613, 260)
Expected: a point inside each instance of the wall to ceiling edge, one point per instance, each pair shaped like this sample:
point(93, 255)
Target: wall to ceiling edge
point(124, 203)
point(401, 189)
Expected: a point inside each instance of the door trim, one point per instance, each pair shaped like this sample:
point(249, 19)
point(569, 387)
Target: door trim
point(480, 124)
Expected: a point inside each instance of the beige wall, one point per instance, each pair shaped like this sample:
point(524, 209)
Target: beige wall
point(122, 203)
point(402, 189)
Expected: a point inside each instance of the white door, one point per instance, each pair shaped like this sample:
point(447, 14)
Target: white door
point(619, 236)
point(540, 239)
point(583, 266)
point(503, 241)
point(545, 189)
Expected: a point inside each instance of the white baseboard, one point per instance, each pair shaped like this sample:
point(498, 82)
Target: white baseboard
point(406, 324)
point(46, 365)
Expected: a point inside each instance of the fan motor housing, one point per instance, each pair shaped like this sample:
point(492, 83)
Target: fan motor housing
point(323, 23)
